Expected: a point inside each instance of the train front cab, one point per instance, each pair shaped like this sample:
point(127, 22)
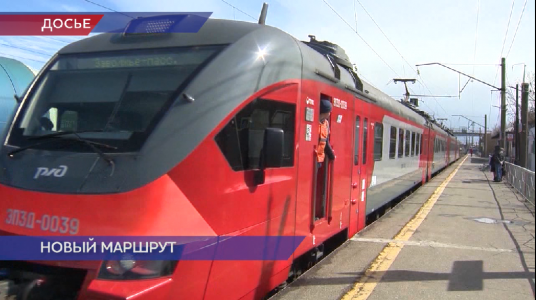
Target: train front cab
point(188, 134)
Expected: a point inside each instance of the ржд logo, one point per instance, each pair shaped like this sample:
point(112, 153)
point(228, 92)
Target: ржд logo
point(56, 172)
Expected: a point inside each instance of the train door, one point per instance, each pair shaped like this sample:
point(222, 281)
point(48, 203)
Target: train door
point(331, 179)
point(360, 161)
point(355, 195)
point(426, 155)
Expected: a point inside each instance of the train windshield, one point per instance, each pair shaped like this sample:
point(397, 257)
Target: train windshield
point(113, 98)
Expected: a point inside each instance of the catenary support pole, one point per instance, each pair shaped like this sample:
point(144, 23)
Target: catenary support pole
point(524, 120)
point(486, 135)
point(503, 104)
point(516, 128)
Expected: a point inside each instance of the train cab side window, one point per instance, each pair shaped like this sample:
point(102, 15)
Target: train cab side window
point(241, 139)
point(378, 142)
point(401, 143)
point(392, 146)
point(408, 141)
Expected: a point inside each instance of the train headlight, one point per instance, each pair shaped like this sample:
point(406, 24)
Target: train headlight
point(136, 269)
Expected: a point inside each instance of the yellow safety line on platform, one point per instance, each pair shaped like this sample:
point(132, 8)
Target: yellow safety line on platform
point(364, 287)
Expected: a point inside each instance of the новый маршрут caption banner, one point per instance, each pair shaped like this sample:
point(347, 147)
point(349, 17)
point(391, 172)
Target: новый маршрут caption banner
point(84, 23)
point(148, 248)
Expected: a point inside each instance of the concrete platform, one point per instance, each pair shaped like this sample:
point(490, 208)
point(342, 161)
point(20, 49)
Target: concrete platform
point(462, 236)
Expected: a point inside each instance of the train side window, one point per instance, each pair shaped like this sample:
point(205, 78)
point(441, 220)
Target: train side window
point(365, 138)
point(392, 146)
point(408, 141)
point(418, 145)
point(421, 142)
point(400, 142)
point(378, 142)
point(413, 143)
point(241, 139)
point(356, 146)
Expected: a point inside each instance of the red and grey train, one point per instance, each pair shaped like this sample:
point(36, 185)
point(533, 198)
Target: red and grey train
point(206, 134)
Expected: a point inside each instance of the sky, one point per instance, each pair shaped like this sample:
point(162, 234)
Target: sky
point(392, 37)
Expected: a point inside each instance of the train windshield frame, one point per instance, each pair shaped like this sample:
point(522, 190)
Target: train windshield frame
point(116, 98)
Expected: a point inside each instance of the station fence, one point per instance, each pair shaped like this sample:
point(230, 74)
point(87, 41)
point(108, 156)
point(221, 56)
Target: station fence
point(521, 179)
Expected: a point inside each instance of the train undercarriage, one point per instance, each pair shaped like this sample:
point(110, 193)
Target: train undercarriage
point(27, 281)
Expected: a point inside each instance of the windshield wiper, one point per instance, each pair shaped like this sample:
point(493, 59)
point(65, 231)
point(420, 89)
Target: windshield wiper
point(56, 136)
point(63, 133)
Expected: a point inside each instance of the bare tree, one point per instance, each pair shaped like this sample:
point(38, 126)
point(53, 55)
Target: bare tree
point(511, 102)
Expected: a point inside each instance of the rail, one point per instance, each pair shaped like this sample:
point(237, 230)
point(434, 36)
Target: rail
point(521, 179)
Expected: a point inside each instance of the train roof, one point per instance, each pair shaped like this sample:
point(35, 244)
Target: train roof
point(226, 32)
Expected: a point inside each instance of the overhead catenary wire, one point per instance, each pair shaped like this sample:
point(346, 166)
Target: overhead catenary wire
point(97, 4)
point(355, 31)
point(396, 49)
point(474, 53)
point(389, 40)
point(234, 7)
point(20, 57)
point(24, 49)
point(505, 35)
point(517, 27)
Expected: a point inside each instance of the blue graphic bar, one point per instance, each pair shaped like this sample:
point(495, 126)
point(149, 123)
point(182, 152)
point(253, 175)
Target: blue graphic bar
point(60, 248)
point(139, 22)
point(152, 22)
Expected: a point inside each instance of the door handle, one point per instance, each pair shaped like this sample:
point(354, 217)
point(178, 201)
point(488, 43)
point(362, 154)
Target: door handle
point(354, 201)
point(355, 185)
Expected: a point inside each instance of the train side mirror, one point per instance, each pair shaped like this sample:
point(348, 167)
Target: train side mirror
point(272, 152)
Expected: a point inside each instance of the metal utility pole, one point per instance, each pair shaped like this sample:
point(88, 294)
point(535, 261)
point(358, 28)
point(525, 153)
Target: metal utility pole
point(503, 103)
point(480, 138)
point(516, 128)
point(524, 120)
point(485, 134)
point(473, 135)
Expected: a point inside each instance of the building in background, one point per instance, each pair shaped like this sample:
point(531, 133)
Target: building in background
point(14, 78)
